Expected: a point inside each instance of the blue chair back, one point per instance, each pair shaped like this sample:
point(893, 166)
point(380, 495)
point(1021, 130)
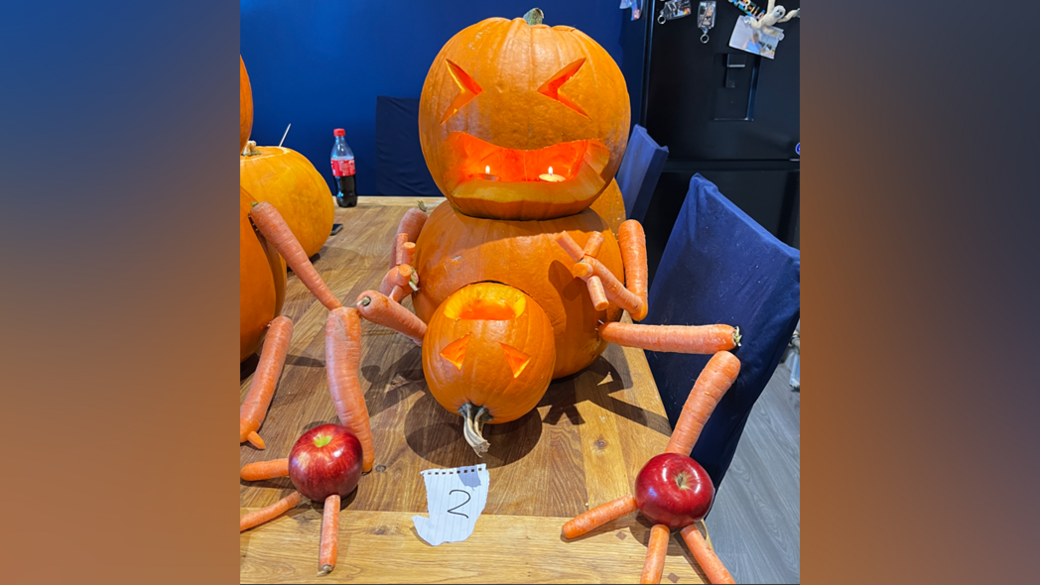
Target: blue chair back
point(639, 172)
point(720, 266)
point(400, 167)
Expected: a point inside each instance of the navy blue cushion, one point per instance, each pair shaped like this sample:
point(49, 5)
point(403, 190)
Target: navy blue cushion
point(720, 266)
point(640, 169)
point(400, 167)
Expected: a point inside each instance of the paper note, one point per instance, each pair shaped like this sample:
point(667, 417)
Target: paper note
point(455, 498)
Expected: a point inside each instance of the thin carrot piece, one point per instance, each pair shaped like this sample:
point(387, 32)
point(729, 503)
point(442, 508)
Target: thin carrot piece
point(710, 563)
point(265, 470)
point(261, 389)
point(615, 291)
point(632, 240)
point(342, 359)
point(599, 298)
point(329, 535)
point(380, 310)
point(411, 224)
point(269, 513)
point(599, 516)
point(593, 245)
point(656, 550)
point(568, 244)
point(271, 224)
point(398, 294)
point(717, 376)
point(700, 339)
point(397, 276)
point(406, 254)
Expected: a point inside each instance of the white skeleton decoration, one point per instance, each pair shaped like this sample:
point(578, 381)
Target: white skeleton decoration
point(774, 15)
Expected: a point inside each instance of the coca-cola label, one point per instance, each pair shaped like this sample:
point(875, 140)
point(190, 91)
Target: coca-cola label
point(343, 168)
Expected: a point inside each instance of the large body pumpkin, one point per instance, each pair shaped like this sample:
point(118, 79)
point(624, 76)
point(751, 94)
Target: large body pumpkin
point(245, 104)
point(289, 181)
point(261, 281)
point(504, 101)
point(455, 250)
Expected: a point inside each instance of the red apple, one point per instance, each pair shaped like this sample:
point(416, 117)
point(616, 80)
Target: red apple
point(673, 490)
point(326, 460)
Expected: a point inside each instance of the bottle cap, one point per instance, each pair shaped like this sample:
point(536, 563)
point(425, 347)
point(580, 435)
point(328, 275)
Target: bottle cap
point(339, 132)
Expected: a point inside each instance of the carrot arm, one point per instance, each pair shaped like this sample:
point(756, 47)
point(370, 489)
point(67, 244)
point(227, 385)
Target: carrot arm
point(265, 470)
point(273, 227)
point(329, 535)
point(656, 550)
point(269, 513)
point(592, 246)
point(703, 339)
point(714, 380)
point(632, 240)
point(382, 311)
point(599, 516)
point(705, 557)
point(342, 358)
point(615, 291)
point(411, 224)
point(570, 246)
point(261, 390)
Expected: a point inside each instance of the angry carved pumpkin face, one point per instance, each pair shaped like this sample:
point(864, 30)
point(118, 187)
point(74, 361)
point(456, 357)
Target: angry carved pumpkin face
point(523, 122)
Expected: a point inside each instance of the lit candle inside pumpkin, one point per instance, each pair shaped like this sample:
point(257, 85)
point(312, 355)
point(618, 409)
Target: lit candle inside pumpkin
point(551, 177)
point(487, 176)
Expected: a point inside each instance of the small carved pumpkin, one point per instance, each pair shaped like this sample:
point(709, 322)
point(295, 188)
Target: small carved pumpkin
point(506, 100)
point(245, 104)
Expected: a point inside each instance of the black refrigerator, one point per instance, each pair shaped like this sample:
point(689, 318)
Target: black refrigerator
point(727, 114)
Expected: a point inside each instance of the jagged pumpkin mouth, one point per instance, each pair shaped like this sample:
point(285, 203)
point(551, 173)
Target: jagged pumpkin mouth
point(478, 169)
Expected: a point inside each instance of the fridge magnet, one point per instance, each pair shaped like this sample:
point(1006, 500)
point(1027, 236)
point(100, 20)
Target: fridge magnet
point(706, 18)
point(755, 41)
point(674, 9)
point(635, 5)
point(774, 15)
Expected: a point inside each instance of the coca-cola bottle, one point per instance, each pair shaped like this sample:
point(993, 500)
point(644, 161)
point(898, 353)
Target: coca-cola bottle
point(343, 170)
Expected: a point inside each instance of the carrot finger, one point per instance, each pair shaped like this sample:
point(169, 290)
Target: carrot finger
point(329, 535)
point(700, 339)
point(599, 516)
point(615, 291)
point(265, 470)
point(269, 513)
point(593, 245)
point(397, 276)
point(271, 224)
point(599, 298)
point(398, 294)
point(570, 246)
point(411, 224)
point(342, 359)
point(705, 557)
point(261, 390)
point(717, 376)
point(656, 550)
point(382, 311)
point(632, 240)
point(406, 254)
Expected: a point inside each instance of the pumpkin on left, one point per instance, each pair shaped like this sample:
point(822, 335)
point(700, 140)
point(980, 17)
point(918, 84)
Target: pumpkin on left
point(261, 281)
point(245, 110)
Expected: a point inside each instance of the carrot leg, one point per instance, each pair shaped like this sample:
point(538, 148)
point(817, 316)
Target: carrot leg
point(599, 516)
point(265, 470)
point(632, 240)
point(329, 535)
point(714, 380)
point(269, 513)
point(380, 310)
point(656, 550)
point(342, 359)
point(705, 557)
point(699, 339)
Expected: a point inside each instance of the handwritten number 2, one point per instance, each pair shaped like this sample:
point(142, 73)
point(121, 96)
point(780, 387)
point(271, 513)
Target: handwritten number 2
point(468, 498)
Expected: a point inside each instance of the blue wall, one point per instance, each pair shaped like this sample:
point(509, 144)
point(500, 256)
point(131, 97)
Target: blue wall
point(320, 65)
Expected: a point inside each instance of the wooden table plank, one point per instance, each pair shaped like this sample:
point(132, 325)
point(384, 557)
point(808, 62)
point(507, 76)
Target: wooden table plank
point(583, 445)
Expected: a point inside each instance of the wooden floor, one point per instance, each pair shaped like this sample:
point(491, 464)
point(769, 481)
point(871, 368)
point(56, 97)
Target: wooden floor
point(755, 522)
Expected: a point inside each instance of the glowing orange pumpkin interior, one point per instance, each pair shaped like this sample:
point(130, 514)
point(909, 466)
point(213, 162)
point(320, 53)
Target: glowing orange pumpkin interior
point(498, 304)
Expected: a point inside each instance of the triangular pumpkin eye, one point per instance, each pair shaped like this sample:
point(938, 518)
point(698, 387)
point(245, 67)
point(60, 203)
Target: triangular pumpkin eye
point(551, 88)
point(468, 89)
point(517, 359)
point(455, 351)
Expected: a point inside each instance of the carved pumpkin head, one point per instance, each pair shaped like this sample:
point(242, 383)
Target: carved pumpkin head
point(504, 101)
point(489, 348)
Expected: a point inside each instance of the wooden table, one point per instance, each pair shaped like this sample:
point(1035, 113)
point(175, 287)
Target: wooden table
point(583, 445)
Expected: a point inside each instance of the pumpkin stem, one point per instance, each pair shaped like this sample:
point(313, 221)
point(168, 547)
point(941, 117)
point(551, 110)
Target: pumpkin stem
point(736, 336)
point(475, 419)
point(534, 16)
point(422, 207)
point(250, 149)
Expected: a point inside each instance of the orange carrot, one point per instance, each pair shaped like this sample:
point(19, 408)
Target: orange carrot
point(717, 376)
point(397, 276)
point(615, 291)
point(342, 359)
point(398, 294)
point(570, 246)
point(656, 550)
point(593, 245)
point(702, 339)
point(599, 298)
point(273, 227)
point(329, 535)
point(633, 256)
point(406, 254)
point(382, 311)
point(599, 516)
point(411, 224)
point(261, 390)
point(269, 513)
point(266, 470)
point(705, 557)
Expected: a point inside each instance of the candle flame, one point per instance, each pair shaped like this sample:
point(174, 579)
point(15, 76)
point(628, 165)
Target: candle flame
point(550, 171)
point(487, 170)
